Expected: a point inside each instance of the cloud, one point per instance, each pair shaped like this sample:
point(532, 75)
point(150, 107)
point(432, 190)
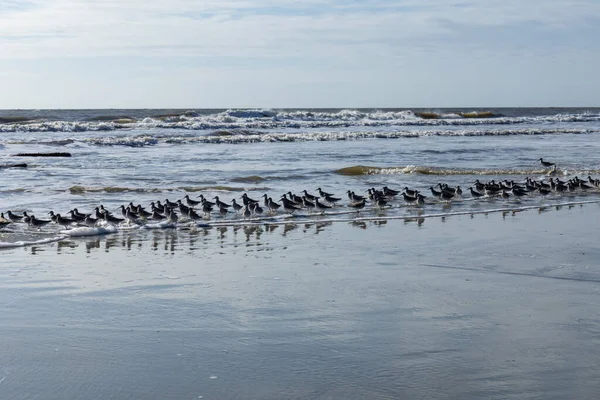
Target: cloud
point(258, 51)
point(273, 29)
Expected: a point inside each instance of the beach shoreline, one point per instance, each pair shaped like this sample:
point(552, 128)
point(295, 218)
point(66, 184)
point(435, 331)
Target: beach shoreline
point(485, 305)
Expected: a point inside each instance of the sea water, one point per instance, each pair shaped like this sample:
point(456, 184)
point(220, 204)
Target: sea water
point(486, 298)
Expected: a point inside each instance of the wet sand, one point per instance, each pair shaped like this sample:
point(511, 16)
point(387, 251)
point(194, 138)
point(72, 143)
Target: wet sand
point(490, 306)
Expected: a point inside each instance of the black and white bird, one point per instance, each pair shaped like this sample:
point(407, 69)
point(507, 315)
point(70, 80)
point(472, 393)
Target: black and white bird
point(190, 202)
point(220, 203)
point(14, 217)
point(358, 205)
point(475, 194)
point(37, 223)
point(546, 164)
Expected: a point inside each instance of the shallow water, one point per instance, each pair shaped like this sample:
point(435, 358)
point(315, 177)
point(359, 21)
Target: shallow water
point(485, 306)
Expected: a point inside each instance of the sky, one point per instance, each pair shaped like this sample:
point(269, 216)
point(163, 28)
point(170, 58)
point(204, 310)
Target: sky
point(288, 53)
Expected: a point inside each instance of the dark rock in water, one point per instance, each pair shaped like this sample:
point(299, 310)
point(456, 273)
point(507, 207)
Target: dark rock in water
point(21, 165)
point(42, 155)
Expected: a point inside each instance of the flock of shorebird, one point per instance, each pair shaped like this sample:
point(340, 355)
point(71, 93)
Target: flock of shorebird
point(202, 209)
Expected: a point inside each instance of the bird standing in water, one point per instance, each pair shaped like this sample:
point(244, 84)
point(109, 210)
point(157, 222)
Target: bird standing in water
point(546, 163)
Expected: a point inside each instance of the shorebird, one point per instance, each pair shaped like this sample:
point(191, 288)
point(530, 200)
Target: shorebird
point(330, 199)
point(256, 208)
point(374, 194)
point(123, 210)
point(390, 192)
point(159, 217)
point(182, 207)
point(170, 204)
point(410, 192)
point(173, 217)
point(76, 215)
point(59, 220)
point(131, 216)
point(583, 186)
point(142, 213)
point(322, 193)
point(380, 202)
point(37, 223)
point(104, 210)
point(247, 200)
point(191, 202)
point(90, 221)
point(288, 205)
point(203, 201)
point(271, 205)
point(518, 192)
point(492, 190)
point(354, 197)
point(543, 191)
point(479, 186)
point(220, 204)
point(410, 199)
point(446, 196)
point(434, 192)
point(193, 215)
point(559, 187)
point(207, 207)
point(14, 217)
point(452, 190)
point(358, 205)
point(308, 196)
point(307, 203)
point(320, 205)
point(475, 194)
point(295, 198)
point(108, 217)
point(236, 207)
point(546, 163)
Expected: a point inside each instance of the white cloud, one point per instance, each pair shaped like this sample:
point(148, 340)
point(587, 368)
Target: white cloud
point(240, 28)
point(257, 51)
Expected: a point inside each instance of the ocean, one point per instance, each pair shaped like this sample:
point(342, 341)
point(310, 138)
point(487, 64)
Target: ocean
point(467, 297)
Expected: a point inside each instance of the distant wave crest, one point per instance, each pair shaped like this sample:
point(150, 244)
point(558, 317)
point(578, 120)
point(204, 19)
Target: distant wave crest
point(254, 119)
point(133, 140)
point(358, 170)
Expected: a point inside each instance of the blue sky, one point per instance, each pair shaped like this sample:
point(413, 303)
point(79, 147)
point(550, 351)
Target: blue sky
point(287, 53)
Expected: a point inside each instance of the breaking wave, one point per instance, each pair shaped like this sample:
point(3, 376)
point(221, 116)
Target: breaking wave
point(242, 119)
point(358, 170)
point(303, 136)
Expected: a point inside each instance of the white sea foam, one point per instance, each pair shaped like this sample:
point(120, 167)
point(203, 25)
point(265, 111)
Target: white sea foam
point(22, 243)
point(303, 136)
point(160, 225)
point(89, 231)
point(299, 119)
